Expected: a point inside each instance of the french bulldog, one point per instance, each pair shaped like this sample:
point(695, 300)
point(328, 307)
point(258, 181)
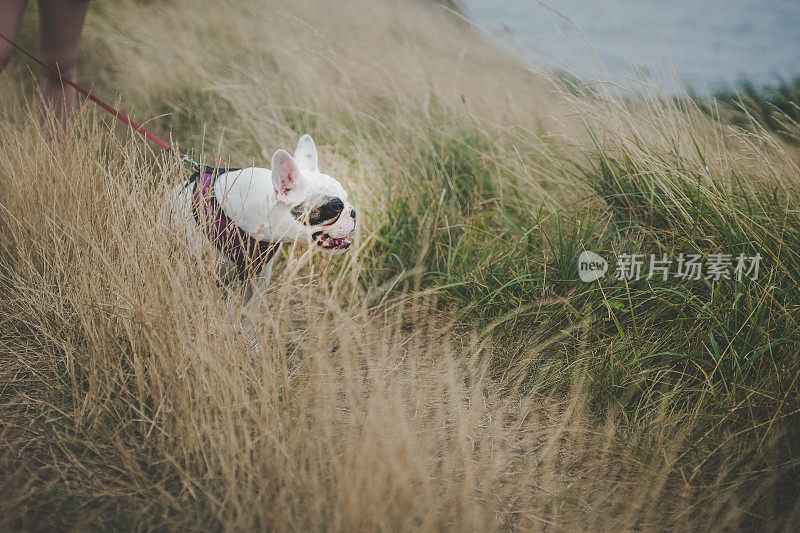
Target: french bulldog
point(246, 214)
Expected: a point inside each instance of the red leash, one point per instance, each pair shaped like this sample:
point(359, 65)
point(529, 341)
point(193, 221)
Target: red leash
point(119, 114)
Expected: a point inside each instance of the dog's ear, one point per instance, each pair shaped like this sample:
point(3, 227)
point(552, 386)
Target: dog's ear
point(306, 154)
point(287, 178)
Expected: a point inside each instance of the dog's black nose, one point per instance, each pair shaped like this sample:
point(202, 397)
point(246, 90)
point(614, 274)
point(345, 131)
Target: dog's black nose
point(352, 213)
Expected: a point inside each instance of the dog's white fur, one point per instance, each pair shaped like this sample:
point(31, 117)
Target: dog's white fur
point(259, 201)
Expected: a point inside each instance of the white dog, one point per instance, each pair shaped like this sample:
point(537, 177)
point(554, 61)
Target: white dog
point(245, 214)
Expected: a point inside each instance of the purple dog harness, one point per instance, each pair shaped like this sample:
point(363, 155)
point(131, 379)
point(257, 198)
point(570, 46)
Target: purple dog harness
point(246, 252)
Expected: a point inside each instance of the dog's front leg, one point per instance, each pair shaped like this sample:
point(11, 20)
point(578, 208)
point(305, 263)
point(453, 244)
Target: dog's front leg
point(257, 287)
point(254, 298)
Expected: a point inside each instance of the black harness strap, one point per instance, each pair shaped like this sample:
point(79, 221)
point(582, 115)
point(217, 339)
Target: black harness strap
point(247, 253)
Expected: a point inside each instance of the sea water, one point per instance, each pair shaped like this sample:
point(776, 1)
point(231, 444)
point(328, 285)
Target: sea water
point(700, 45)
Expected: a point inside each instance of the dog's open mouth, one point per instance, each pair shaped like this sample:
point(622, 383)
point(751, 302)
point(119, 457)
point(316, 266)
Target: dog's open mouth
point(327, 242)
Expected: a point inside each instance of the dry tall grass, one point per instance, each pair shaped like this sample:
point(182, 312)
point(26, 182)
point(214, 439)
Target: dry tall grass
point(130, 398)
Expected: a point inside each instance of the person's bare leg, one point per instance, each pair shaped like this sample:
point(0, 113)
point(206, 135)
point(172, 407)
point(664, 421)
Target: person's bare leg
point(10, 18)
point(60, 22)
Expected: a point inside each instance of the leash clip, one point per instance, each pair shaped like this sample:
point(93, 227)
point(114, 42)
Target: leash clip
point(187, 159)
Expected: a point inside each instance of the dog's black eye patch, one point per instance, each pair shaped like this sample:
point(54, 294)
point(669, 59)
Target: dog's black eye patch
point(318, 209)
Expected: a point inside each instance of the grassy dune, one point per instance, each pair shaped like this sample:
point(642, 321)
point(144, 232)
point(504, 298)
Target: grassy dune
point(451, 371)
